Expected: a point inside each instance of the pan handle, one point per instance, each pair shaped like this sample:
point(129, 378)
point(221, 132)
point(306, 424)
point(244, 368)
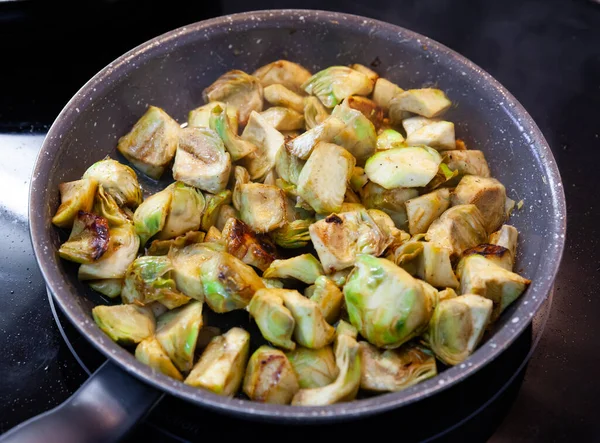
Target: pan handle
point(103, 409)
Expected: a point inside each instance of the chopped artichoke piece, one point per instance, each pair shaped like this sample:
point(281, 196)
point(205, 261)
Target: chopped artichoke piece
point(467, 162)
point(88, 241)
point(288, 166)
point(150, 279)
point(328, 297)
point(345, 328)
point(408, 255)
point(358, 136)
point(334, 84)
point(238, 89)
point(436, 267)
point(235, 145)
point(340, 277)
point(315, 367)
point(386, 304)
point(283, 72)
point(409, 167)
point(389, 139)
point(241, 177)
point(311, 331)
point(272, 283)
point(262, 207)
point(427, 102)
point(151, 353)
point(314, 112)
point(390, 201)
point(457, 326)
point(74, 197)
point(268, 141)
point(283, 119)
point(200, 117)
point(106, 206)
point(444, 177)
point(253, 249)
point(185, 211)
point(125, 324)
point(201, 160)
point(346, 384)
point(279, 95)
point(122, 250)
point(488, 194)
point(270, 377)
point(213, 235)
point(367, 107)
point(303, 267)
point(118, 180)
point(340, 237)
point(507, 238)
point(111, 287)
point(480, 276)
point(435, 134)
point(177, 333)
point(293, 234)
point(358, 179)
point(446, 294)
point(228, 283)
point(213, 208)
point(303, 145)
point(384, 91)
point(186, 267)
point(458, 228)
point(221, 365)
point(274, 320)
point(423, 210)
point(494, 253)
point(151, 143)
point(225, 213)
point(373, 76)
point(324, 178)
point(149, 218)
point(395, 369)
point(162, 247)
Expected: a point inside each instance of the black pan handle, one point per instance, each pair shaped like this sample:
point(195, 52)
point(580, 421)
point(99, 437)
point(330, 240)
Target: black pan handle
point(103, 409)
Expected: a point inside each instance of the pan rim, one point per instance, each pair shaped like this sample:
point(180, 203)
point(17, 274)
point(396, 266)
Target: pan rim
point(488, 351)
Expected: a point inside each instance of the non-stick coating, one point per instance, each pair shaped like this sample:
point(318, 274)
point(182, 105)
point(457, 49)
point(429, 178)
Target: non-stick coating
point(172, 70)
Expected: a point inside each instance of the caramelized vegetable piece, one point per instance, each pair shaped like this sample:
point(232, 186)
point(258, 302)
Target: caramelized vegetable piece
point(270, 378)
point(427, 102)
point(457, 327)
point(499, 255)
point(328, 297)
point(151, 143)
point(323, 180)
point(345, 386)
point(274, 320)
point(221, 366)
point(105, 206)
point(214, 203)
point(279, 95)
point(283, 119)
point(389, 139)
point(149, 218)
point(488, 194)
point(253, 249)
point(293, 234)
point(384, 92)
point(238, 89)
point(334, 84)
point(390, 201)
point(303, 145)
point(506, 237)
point(436, 268)
point(111, 287)
point(303, 267)
point(74, 197)
point(314, 112)
point(151, 353)
point(481, 276)
point(386, 304)
point(122, 250)
point(311, 331)
point(288, 166)
point(373, 76)
point(88, 241)
point(467, 162)
point(228, 283)
point(262, 207)
point(434, 133)
point(315, 367)
point(283, 72)
point(201, 160)
point(125, 324)
point(394, 370)
point(162, 247)
point(268, 142)
point(221, 123)
point(177, 333)
point(118, 180)
point(186, 267)
point(358, 136)
point(409, 167)
point(185, 211)
point(423, 210)
point(200, 117)
point(225, 213)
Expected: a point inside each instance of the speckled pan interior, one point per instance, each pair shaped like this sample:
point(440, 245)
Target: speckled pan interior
point(171, 71)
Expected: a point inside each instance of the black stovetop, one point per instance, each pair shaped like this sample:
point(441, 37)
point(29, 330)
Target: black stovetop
point(546, 52)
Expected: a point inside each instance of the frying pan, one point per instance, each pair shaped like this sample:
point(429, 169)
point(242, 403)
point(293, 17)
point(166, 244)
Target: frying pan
point(171, 71)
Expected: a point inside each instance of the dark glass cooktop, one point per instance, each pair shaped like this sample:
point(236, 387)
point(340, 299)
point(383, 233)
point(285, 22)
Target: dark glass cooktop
point(546, 52)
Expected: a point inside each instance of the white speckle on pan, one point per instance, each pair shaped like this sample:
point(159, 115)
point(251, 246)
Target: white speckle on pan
point(515, 320)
